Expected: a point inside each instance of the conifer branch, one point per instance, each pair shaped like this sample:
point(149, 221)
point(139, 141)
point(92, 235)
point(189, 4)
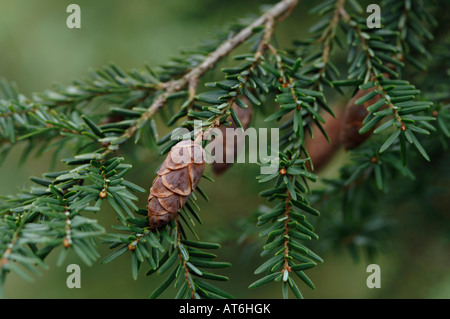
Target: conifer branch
point(329, 34)
point(54, 212)
point(224, 49)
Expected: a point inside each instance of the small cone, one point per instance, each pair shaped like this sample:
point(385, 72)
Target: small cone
point(177, 178)
point(229, 146)
point(353, 118)
point(319, 149)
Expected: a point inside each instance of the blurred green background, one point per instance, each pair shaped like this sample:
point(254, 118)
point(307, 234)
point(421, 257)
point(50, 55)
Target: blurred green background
point(38, 50)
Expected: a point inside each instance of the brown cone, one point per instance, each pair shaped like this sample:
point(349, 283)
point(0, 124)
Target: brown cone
point(354, 115)
point(319, 149)
point(245, 116)
point(177, 178)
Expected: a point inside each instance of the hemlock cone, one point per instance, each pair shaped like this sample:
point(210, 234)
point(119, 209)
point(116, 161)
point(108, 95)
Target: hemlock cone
point(397, 120)
point(177, 178)
point(232, 146)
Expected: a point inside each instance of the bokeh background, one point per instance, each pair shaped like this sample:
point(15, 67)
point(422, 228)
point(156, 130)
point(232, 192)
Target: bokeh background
point(37, 50)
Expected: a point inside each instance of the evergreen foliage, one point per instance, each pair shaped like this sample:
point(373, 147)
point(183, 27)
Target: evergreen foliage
point(96, 117)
